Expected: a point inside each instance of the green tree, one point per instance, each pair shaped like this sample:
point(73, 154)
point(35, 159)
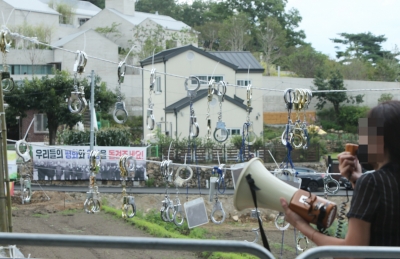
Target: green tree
point(99, 3)
point(111, 32)
point(209, 35)
point(163, 7)
point(305, 61)
point(387, 69)
point(363, 46)
point(385, 97)
point(271, 37)
point(334, 82)
point(234, 33)
point(48, 95)
point(259, 10)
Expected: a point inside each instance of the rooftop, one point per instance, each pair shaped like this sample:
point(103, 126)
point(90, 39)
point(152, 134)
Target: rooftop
point(31, 5)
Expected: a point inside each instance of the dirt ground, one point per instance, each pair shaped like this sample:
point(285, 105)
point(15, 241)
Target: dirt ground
point(49, 216)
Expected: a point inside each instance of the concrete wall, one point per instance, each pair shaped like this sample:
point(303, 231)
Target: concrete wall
point(273, 100)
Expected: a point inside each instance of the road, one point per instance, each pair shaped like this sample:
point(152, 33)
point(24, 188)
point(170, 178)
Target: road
point(145, 190)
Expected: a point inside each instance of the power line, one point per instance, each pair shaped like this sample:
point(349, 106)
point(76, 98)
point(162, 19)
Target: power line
point(36, 41)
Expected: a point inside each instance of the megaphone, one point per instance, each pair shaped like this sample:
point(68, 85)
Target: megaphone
point(310, 207)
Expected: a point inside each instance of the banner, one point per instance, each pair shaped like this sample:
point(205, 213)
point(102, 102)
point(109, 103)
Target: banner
point(12, 164)
point(72, 162)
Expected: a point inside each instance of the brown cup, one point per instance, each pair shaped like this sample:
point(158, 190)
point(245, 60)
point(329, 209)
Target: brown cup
point(352, 148)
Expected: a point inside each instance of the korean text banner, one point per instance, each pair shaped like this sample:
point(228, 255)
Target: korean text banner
point(72, 162)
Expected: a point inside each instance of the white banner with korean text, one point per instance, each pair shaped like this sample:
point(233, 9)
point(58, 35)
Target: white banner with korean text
point(72, 162)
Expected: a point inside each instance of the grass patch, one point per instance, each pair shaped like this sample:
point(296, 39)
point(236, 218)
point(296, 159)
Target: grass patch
point(39, 215)
point(334, 155)
point(155, 226)
point(68, 212)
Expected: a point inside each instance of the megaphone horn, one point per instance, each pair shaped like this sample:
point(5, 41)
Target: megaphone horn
point(310, 207)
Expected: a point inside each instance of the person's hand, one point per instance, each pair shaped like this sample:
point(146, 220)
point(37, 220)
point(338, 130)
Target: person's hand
point(290, 216)
point(349, 167)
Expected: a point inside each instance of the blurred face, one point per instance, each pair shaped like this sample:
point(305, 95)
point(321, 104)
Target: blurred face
point(370, 139)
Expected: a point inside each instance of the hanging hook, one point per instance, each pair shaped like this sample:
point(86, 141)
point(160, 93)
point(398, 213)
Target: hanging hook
point(179, 181)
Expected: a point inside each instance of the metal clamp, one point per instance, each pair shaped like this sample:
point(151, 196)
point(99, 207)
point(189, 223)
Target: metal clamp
point(302, 239)
point(120, 106)
point(129, 202)
point(287, 134)
point(192, 92)
point(280, 222)
point(178, 213)
point(26, 190)
point(194, 127)
point(249, 136)
point(255, 214)
point(152, 79)
point(217, 207)
point(80, 62)
point(249, 96)
point(221, 92)
point(167, 209)
point(92, 204)
point(328, 180)
point(94, 167)
point(288, 97)
point(224, 132)
point(179, 181)
point(76, 103)
point(121, 72)
point(25, 156)
point(4, 45)
point(7, 81)
point(150, 121)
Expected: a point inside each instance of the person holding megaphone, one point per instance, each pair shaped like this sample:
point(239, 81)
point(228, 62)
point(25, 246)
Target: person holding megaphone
point(373, 218)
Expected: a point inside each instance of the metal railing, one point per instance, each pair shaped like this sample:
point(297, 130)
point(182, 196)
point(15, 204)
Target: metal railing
point(134, 243)
point(351, 251)
point(190, 245)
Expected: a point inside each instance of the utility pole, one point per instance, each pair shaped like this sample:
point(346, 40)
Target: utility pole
point(5, 201)
point(92, 114)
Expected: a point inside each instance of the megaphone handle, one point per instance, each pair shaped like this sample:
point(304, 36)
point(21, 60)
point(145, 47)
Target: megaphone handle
point(253, 189)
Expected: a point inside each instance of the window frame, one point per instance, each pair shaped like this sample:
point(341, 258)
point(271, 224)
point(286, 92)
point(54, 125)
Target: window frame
point(243, 82)
point(43, 118)
point(158, 85)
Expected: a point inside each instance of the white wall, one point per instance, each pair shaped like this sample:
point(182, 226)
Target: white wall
point(199, 65)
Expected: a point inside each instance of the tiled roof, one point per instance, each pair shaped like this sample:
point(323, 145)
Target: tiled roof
point(31, 5)
point(243, 59)
point(165, 21)
point(184, 102)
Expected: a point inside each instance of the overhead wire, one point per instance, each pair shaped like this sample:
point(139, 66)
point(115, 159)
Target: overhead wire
point(36, 41)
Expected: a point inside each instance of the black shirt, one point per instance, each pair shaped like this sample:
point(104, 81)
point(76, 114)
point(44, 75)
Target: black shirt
point(376, 199)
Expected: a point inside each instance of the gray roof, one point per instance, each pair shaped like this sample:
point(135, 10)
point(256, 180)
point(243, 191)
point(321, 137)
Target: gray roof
point(170, 53)
point(165, 21)
point(31, 5)
point(80, 7)
point(68, 38)
point(243, 59)
point(184, 102)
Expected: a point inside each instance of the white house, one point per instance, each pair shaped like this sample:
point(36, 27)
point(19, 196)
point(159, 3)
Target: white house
point(172, 106)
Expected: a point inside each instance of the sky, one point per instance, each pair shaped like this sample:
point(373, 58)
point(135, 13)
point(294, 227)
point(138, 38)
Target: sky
point(324, 19)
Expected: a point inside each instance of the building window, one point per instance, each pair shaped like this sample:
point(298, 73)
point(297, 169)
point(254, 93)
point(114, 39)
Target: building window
point(40, 123)
point(243, 82)
point(204, 79)
point(81, 21)
point(234, 132)
point(158, 84)
point(37, 69)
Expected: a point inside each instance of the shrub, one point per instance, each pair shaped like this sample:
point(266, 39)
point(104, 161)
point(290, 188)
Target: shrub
point(349, 115)
point(104, 137)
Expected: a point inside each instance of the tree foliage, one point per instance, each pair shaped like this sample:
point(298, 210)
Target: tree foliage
point(48, 95)
point(334, 81)
point(235, 33)
point(271, 37)
point(305, 61)
point(362, 46)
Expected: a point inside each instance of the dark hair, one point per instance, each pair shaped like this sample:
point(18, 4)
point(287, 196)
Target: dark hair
point(389, 112)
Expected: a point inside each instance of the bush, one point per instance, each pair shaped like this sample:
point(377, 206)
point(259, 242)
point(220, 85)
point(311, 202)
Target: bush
point(104, 137)
point(349, 115)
